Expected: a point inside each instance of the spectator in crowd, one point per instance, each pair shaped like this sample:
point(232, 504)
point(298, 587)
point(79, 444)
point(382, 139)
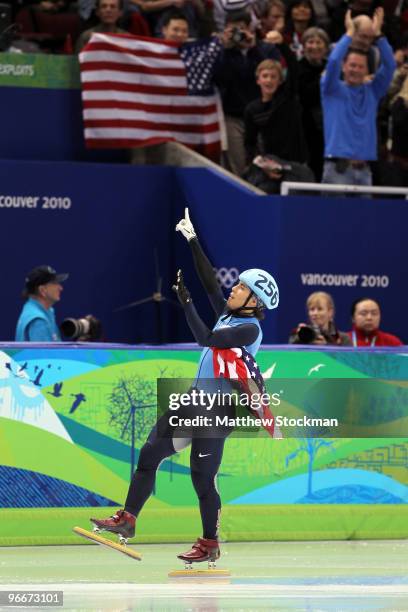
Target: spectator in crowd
point(316, 47)
point(395, 171)
point(299, 17)
point(350, 107)
point(222, 8)
point(109, 13)
point(272, 17)
point(43, 27)
point(37, 319)
point(363, 39)
point(235, 77)
point(339, 8)
point(401, 51)
point(321, 10)
point(273, 122)
point(366, 318)
point(175, 27)
point(385, 121)
point(321, 328)
point(396, 21)
point(364, 34)
point(401, 59)
point(86, 11)
point(154, 11)
point(51, 6)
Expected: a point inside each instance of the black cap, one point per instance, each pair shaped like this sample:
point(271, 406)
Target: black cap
point(41, 275)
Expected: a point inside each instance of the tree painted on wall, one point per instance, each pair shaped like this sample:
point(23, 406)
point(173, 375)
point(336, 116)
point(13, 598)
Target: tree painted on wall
point(311, 447)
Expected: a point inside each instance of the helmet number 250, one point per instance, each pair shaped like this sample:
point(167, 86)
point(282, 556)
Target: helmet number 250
point(269, 290)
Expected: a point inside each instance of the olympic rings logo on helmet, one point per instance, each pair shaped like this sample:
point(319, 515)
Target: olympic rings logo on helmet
point(227, 277)
point(263, 285)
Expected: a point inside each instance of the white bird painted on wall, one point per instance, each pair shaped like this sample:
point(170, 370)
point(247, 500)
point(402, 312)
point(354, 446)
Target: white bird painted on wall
point(316, 368)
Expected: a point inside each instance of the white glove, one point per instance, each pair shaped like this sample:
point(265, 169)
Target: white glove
point(186, 227)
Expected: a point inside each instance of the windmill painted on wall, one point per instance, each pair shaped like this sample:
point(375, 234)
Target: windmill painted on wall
point(132, 397)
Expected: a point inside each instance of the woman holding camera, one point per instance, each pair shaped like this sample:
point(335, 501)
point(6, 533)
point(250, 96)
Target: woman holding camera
point(321, 328)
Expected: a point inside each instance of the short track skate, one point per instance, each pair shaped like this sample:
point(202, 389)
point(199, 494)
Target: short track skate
point(203, 552)
point(120, 547)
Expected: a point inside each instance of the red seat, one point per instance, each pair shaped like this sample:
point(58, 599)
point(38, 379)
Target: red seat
point(138, 25)
point(48, 29)
point(24, 21)
point(59, 25)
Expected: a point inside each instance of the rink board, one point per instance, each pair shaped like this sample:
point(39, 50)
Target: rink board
point(65, 452)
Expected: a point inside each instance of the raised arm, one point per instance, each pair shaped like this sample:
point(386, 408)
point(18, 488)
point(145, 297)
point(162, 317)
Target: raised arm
point(291, 81)
point(202, 265)
point(383, 76)
point(225, 337)
point(331, 77)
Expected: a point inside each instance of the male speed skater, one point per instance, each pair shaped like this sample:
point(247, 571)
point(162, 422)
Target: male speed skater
point(237, 325)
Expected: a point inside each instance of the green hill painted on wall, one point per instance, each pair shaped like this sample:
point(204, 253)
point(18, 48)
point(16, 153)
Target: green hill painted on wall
point(30, 448)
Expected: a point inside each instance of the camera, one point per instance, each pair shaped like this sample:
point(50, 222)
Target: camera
point(238, 36)
point(86, 328)
point(308, 333)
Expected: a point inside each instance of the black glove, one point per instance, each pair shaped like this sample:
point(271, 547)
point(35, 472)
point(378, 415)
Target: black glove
point(183, 293)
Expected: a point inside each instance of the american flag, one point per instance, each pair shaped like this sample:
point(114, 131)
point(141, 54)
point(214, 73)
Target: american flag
point(138, 91)
point(237, 364)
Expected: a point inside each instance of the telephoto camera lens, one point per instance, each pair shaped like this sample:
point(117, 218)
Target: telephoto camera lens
point(74, 328)
point(307, 334)
point(86, 328)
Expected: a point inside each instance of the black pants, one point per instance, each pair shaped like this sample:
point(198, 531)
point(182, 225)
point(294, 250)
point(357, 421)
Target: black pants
point(205, 459)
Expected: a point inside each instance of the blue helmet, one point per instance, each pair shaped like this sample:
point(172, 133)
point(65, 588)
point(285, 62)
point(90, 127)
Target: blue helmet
point(263, 285)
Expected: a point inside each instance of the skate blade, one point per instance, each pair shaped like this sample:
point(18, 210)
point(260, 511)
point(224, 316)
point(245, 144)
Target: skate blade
point(90, 535)
point(196, 573)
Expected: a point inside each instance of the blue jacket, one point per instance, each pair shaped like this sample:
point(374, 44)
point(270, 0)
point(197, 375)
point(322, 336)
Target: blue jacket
point(349, 113)
point(205, 367)
point(37, 324)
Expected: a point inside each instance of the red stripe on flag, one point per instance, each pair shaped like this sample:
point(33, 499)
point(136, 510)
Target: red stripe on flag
point(133, 69)
point(246, 384)
point(131, 37)
point(114, 47)
point(111, 86)
point(137, 51)
point(152, 108)
point(123, 143)
point(150, 125)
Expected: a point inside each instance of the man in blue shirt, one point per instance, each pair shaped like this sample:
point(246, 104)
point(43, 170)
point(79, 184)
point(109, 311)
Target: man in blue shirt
point(350, 106)
point(37, 319)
